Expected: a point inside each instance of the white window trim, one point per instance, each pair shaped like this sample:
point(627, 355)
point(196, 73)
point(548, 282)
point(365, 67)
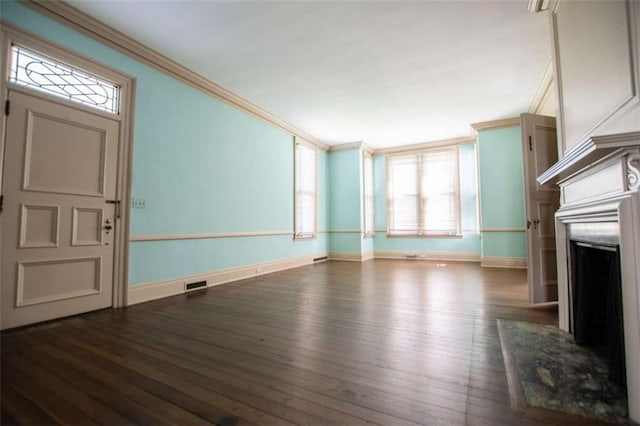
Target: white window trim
point(367, 199)
point(420, 233)
point(298, 142)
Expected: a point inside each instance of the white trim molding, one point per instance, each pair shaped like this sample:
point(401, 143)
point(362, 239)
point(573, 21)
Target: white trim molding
point(594, 149)
point(545, 86)
point(140, 293)
point(349, 256)
point(91, 27)
point(351, 145)
point(425, 145)
point(204, 236)
point(496, 124)
point(344, 231)
point(427, 255)
point(536, 6)
point(11, 34)
point(504, 262)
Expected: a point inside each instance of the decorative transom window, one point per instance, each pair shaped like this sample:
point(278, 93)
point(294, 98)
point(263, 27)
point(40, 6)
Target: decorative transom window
point(33, 70)
point(305, 191)
point(423, 196)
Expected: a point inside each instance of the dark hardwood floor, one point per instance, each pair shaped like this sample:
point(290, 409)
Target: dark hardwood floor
point(382, 342)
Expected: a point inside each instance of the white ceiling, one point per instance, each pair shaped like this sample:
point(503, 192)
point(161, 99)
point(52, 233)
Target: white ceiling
point(383, 72)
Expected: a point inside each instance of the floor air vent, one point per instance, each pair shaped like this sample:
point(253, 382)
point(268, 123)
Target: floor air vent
point(195, 285)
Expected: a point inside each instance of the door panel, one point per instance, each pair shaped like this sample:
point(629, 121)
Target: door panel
point(87, 227)
point(59, 279)
point(540, 152)
point(53, 147)
point(60, 169)
point(39, 226)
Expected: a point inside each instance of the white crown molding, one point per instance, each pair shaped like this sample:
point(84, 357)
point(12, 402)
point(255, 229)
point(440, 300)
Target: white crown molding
point(544, 86)
point(203, 236)
point(425, 145)
point(140, 293)
point(535, 6)
point(351, 145)
point(496, 124)
point(85, 24)
point(346, 146)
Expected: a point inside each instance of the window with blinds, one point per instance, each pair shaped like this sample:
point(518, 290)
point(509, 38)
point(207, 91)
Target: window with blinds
point(367, 184)
point(423, 195)
point(305, 191)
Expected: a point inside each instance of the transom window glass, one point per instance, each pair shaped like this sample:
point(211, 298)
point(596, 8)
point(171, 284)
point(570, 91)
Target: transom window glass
point(33, 70)
point(305, 191)
point(423, 193)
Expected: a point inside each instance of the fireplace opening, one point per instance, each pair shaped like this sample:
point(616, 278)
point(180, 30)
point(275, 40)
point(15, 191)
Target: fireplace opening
point(597, 317)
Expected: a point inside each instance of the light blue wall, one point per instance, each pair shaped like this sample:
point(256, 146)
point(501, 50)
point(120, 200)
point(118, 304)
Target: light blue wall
point(345, 200)
point(468, 243)
point(502, 191)
point(201, 166)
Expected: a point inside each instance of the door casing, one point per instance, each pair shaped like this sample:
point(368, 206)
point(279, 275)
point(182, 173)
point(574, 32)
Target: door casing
point(541, 202)
point(10, 35)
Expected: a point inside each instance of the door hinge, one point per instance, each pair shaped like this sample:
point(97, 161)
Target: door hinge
point(530, 145)
point(7, 107)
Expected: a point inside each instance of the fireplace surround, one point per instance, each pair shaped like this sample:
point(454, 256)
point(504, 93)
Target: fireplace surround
point(600, 208)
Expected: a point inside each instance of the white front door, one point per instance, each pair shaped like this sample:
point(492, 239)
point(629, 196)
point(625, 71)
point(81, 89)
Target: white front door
point(540, 151)
point(57, 245)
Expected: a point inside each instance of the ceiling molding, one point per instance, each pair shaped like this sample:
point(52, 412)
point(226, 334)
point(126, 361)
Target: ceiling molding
point(496, 124)
point(351, 145)
point(425, 145)
point(346, 146)
point(543, 88)
point(85, 24)
point(535, 6)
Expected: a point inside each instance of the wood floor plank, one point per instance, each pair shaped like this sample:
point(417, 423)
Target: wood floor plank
point(98, 412)
point(21, 410)
point(382, 342)
point(51, 403)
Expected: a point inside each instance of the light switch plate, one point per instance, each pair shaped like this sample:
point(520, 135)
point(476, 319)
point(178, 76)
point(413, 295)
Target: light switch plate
point(138, 203)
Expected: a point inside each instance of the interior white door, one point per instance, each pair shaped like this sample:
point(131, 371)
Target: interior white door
point(540, 151)
point(57, 226)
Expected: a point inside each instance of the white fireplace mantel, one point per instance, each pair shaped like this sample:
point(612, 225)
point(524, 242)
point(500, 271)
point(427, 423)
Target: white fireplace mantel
point(607, 191)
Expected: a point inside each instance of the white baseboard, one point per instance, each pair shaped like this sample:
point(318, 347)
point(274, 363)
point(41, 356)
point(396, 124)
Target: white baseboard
point(160, 289)
point(348, 256)
point(428, 255)
point(504, 262)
